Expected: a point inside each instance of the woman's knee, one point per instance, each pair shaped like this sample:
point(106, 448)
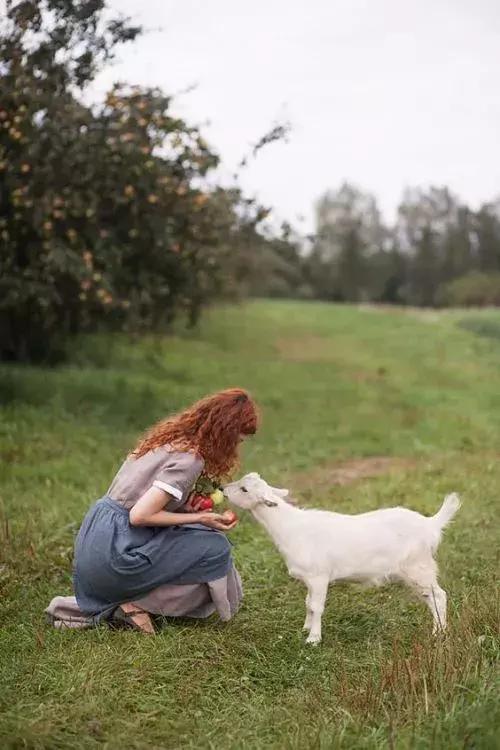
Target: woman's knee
point(223, 543)
point(219, 547)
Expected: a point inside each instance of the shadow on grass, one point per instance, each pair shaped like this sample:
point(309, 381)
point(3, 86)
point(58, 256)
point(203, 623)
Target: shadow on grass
point(481, 327)
point(113, 398)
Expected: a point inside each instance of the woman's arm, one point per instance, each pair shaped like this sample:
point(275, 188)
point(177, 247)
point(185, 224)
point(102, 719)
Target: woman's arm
point(148, 511)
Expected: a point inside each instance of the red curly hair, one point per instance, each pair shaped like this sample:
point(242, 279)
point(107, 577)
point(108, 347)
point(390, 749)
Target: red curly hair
point(211, 428)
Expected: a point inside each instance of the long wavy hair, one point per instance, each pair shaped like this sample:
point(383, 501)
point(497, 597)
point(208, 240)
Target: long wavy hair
point(212, 428)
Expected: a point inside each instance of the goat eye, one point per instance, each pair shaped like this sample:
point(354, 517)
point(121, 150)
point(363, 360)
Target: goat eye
point(243, 489)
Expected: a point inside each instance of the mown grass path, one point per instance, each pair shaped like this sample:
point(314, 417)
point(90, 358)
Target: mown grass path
point(335, 384)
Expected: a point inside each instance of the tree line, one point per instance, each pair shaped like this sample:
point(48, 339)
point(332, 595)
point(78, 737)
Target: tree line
point(110, 216)
point(438, 252)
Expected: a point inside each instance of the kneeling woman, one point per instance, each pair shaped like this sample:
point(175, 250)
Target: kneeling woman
point(146, 548)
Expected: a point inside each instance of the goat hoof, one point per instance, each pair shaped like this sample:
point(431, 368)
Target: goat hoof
point(436, 631)
point(314, 639)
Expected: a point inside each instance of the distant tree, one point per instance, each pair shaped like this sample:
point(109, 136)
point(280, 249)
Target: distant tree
point(474, 289)
point(388, 275)
point(435, 240)
point(281, 270)
point(425, 269)
point(458, 245)
point(435, 208)
point(337, 212)
point(351, 266)
point(349, 230)
point(487, 237)
point(428, 221)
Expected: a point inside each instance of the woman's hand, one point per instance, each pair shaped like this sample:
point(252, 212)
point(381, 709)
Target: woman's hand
point(193, 502)
point(214, 521)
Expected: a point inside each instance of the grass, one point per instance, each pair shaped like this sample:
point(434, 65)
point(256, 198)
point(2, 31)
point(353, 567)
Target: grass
point(334, 383)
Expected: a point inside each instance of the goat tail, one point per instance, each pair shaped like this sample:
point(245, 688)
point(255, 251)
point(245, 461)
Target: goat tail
point(446, 512)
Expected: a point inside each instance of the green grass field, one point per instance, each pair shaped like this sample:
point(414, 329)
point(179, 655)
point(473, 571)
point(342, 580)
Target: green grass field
point(335, 384)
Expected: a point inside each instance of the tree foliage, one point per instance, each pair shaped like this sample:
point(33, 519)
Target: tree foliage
point(434, 241)
point(105, 213)
point(110, 215)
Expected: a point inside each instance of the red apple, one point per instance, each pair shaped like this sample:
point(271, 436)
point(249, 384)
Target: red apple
point(206, 502)
point(229, 517)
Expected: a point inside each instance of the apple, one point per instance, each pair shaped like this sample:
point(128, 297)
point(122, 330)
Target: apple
point(206, 503)
point(217, 497)
point(229, 517)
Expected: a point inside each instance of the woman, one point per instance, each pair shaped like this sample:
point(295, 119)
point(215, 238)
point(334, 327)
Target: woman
point(147, 533)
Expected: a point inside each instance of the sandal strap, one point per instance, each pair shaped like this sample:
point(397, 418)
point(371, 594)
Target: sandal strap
point(132, 612)
point(127, 618)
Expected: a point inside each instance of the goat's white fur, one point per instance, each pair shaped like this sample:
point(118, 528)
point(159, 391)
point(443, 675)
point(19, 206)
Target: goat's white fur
point(391, 544)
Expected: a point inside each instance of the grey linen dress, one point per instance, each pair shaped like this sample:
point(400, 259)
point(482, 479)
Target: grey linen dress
point(183, 570)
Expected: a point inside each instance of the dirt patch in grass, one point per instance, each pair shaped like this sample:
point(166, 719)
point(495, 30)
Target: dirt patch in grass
point(351, 471)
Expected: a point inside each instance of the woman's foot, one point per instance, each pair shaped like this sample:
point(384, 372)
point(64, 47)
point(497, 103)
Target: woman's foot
point(136, 617)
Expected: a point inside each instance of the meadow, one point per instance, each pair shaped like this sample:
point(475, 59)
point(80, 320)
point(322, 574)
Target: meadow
point(339, 387)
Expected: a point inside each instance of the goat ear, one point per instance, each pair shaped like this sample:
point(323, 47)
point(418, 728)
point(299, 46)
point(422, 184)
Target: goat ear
point(280, 492)
point(269, 503)
point(266, 498)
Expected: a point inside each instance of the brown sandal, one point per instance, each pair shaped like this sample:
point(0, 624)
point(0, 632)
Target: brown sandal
point(129, 618)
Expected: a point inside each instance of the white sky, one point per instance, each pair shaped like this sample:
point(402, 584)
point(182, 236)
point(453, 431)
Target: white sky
point(384, 93)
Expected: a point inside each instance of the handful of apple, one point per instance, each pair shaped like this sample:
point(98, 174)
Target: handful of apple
point(210, 502)
point(229, 517)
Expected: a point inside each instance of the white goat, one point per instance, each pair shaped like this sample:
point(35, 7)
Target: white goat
point(391, 544)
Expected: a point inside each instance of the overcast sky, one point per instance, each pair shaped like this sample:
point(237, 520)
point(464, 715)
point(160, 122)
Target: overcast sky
point(384, 93)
